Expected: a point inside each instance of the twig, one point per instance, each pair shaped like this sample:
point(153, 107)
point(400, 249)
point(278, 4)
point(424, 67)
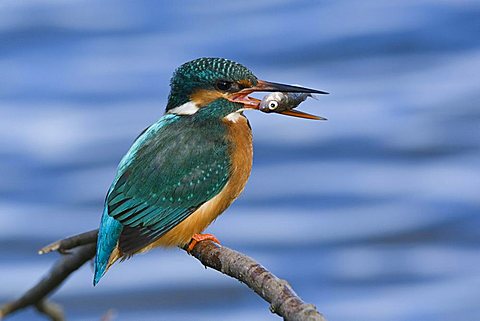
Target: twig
point(71, 242)
point(57, 274)
point(283, 300)
point(50, 309)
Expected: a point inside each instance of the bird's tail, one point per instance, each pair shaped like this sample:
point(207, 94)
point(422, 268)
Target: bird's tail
point(108, 235)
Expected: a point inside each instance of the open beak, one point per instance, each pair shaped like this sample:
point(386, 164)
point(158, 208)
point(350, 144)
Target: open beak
point(266, 86)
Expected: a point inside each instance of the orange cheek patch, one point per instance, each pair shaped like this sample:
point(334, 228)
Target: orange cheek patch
point(203, 97)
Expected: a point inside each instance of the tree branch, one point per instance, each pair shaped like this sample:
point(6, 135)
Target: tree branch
point(283, 300)
point(52, 310)
point(57, 274)
point(71, 242)
point(80, 248)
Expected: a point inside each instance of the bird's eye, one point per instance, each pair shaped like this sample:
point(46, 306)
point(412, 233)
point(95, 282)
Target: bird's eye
point(223, 85)
point(272, 105)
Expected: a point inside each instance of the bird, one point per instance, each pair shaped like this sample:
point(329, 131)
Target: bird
point(188, 167)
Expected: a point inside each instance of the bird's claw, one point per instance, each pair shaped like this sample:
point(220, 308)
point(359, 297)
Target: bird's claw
point(196, 238)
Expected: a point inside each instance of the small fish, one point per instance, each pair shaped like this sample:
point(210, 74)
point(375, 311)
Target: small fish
point(278, 101)
point(284, 103)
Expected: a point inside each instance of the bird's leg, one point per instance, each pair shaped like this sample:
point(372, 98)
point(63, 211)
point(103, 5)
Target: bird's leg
point(200, 237)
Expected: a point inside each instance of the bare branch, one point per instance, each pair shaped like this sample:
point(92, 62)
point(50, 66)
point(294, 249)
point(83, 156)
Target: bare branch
point(71, 242)
point(50, 309)
point(57, 274)
point(283, 300)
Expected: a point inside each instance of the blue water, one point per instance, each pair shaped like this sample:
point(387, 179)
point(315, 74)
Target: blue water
point(373, 215)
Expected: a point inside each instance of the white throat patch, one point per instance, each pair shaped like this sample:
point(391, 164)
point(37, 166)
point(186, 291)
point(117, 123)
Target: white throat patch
point(188, 108)
point(235, 116)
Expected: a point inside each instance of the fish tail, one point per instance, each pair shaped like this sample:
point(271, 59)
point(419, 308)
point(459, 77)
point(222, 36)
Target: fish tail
point(108, 235)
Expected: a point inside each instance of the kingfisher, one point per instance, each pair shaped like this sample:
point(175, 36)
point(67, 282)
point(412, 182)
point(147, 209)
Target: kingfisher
point(187, 168)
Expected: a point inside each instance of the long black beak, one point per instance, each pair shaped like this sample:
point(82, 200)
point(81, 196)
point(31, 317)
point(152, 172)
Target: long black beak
point(263, 85)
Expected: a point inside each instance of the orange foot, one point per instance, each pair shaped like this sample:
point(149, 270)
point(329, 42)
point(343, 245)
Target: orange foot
point(201, 237)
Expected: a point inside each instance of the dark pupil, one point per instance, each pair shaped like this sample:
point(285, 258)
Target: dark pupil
point(224, 85)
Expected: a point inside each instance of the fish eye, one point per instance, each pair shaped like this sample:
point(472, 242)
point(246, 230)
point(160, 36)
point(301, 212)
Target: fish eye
point(223, 85)
point(272, 105)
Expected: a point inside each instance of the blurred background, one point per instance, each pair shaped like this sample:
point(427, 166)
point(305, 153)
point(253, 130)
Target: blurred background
point(372, 215)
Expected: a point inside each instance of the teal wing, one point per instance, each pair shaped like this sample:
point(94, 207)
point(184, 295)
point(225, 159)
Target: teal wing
point(170, 171)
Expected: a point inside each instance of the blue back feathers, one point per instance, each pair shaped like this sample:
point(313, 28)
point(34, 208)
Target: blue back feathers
point(110, 229)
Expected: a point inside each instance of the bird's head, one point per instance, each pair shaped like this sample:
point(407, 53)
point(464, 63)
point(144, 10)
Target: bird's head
point(199, 83)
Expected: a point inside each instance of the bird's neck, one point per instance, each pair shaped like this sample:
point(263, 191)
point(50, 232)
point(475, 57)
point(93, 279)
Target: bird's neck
point(215, 121)
point(218, 109)
point(214, 109)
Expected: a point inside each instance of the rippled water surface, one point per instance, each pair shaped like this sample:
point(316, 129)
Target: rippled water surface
point(373, 215)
